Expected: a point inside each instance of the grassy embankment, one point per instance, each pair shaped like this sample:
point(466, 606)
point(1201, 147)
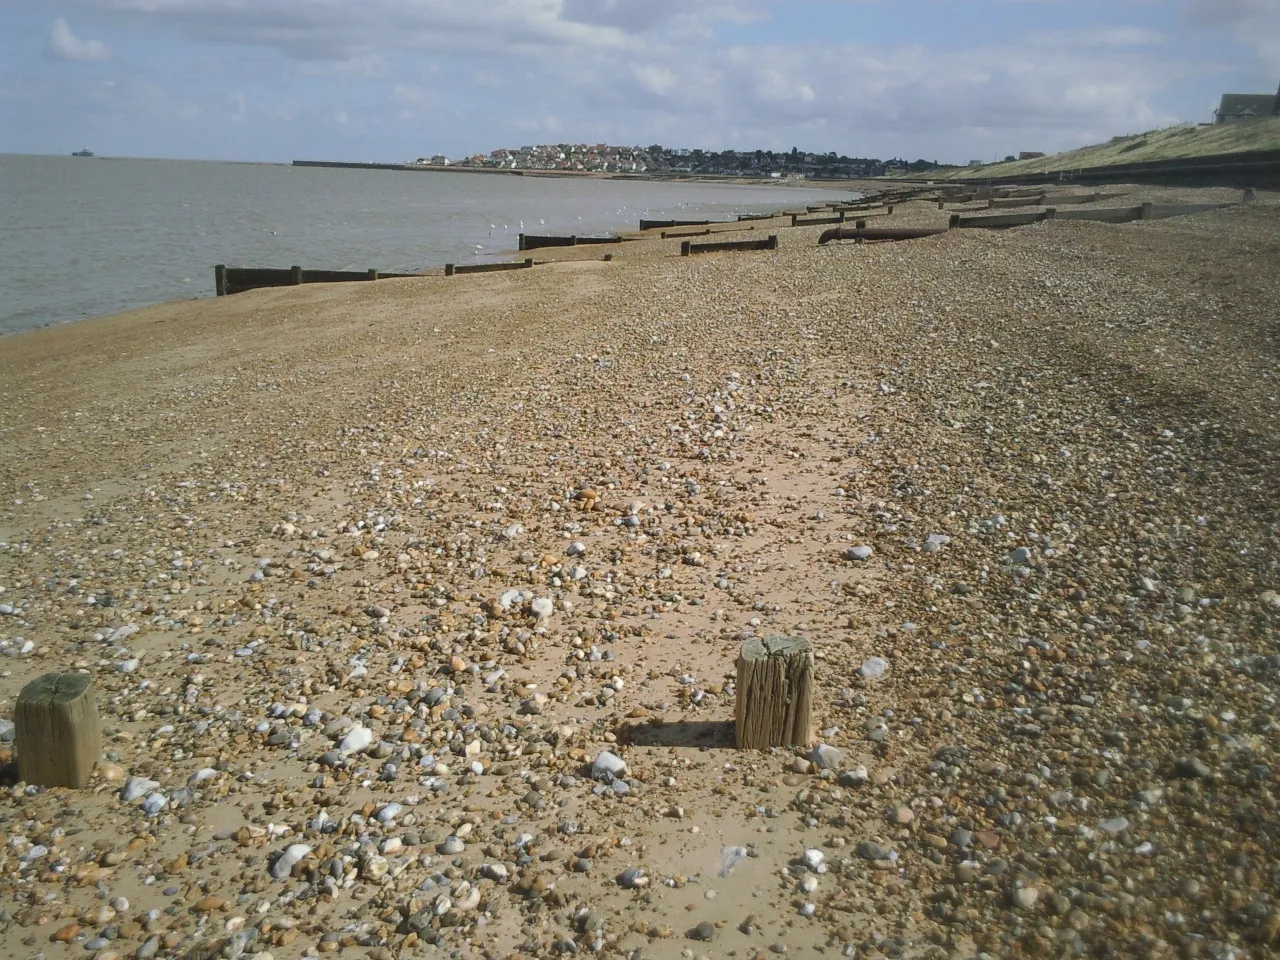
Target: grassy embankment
point(1175, 143)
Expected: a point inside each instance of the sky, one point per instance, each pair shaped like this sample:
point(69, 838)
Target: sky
point(392, 80)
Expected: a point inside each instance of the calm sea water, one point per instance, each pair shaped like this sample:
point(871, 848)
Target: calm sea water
point(81, 237)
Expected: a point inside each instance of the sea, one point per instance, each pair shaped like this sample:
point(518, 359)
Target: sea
point(86, 236)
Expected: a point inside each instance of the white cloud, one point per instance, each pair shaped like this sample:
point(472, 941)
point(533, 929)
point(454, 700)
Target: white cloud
point(662, 70)
point(1252, 23)
point(65, 45)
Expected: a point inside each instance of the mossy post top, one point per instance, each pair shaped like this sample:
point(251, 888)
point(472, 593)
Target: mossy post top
point(766, 648)
point(56, 687)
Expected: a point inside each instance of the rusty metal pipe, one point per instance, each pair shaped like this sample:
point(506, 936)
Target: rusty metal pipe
point(875, 234)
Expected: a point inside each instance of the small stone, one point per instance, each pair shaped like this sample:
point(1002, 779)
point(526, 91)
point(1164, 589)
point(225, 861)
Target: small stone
point(137, 787)
point(1024, 898)
point(284, 864)
point(632, 878)
point(703, 931)
point(607, 765)
point(901, 815)
point(826, 757)
point(451, 846)
point(1192, 768)
point(860, 552)
point(66, 934)
point(1020, 556)
point(209, 904)
point(542, 607)
point(1114, 826)
point(873, 668)
point(356, 740)
point(872, 851)
point(853, 778)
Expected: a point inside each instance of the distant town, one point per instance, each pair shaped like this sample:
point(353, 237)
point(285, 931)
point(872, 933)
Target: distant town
point(659, 160)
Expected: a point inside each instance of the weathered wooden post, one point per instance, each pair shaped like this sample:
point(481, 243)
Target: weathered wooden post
point(942, 204)
point(793, 219)
point(774, 692)
point(1249, 195)
point(373, 273)
point(521, 246)
point(684, 247)
point(888, 211)
point(220, 279)
point(1051, 213)
point(1148, 211)
point(57, 732)
point(448, 269)
point(297, 275)
point(528, 261)
point(772, 242)
point(954, 221)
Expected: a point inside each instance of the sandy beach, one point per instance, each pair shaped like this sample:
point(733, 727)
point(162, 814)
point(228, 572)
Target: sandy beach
point(369, 576)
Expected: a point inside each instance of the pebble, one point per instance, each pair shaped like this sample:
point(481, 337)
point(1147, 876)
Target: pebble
point(607, 765)
point(284, 864)
point(356, 740)
point(703, 931)
point(826, 757)
point(860, 552)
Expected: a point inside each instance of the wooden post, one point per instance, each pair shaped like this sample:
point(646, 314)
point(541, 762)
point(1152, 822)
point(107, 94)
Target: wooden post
point(57, 732)
point(297, 275)
point(573, 240)
point(793, 219)
point(954, 221)
point(1249, 195)
point(521, 247)
point(860, 224)
point(684, 247)
point(528, 261)
point(941, 204)
point(1148, 211)
point(1050, 213)
point(772, 242)
point(448, 269)
point(220, 279)
point(888, 211)
point(607, 257)
point(373, 273)
point(774, 692)
point(842, 215)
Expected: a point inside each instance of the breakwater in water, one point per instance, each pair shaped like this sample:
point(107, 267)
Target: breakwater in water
point(84, 237)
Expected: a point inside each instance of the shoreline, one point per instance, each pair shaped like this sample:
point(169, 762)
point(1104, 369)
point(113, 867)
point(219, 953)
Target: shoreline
point(382, 570)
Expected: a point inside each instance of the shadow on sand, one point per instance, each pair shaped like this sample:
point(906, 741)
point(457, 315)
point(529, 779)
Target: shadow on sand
point(691, 733)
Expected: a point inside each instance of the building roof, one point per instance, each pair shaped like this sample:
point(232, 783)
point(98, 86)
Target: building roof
point(1247, 105)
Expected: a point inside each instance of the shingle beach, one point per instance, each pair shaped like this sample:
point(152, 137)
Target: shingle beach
point(412, 607)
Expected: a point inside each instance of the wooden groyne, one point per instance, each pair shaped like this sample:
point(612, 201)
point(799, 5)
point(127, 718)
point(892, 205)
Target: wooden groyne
point(229, 280)
point(667, 224)
point(688, 247)
point(529, 241)
point(1146, 211)
point(452, 269)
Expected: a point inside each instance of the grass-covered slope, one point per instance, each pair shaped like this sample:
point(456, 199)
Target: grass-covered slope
point(1175, 143)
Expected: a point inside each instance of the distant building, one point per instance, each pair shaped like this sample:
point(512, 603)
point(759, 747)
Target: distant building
point(975, 163)
point(1247, 106)
point(1030, 154)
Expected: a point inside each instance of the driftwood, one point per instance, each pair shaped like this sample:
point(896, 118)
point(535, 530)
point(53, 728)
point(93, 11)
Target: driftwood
point(57, 732)
point(774, 692)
